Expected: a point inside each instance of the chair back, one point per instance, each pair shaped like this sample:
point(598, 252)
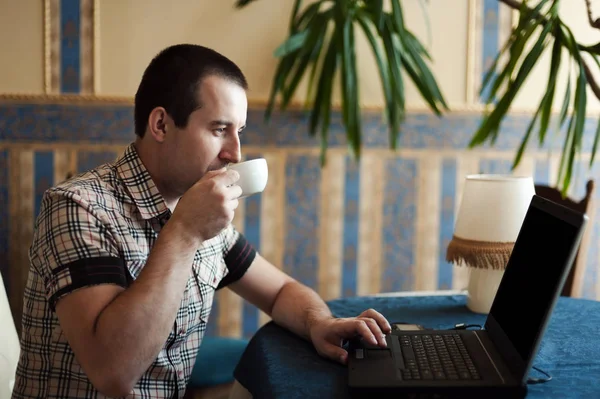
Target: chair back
point(9, 346)
point(574, 281)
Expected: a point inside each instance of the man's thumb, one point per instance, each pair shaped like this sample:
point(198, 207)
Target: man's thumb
point(335, 353)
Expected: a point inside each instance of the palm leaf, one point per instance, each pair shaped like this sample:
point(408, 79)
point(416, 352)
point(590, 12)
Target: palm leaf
point(521, 34)
point(283, 69)
point(490, 125)
point(307, 54)
point(311, 48)
point(292, 25)
point(325, 79)
point(293, 43)
point(525, 139)
point(386, 85)
point(549, 96)
point(567, 99)
point(395, 73)
point(243, 3)
point(350, 88)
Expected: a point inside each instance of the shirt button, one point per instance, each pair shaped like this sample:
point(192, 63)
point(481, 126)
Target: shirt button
point(181, 332)
point(180, 373)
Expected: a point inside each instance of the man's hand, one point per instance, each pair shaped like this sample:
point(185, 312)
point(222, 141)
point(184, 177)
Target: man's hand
point(209, 205)
point(327, 335)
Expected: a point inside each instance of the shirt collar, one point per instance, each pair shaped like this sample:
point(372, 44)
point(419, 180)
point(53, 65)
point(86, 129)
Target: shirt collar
point(140, 185)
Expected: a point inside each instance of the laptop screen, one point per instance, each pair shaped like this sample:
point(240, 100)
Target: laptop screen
point(530, 283)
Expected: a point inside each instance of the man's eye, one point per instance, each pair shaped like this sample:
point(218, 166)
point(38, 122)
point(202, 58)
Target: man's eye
point(220, 130)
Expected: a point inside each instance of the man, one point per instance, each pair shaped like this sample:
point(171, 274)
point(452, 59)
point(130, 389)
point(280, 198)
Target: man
point(126, 258)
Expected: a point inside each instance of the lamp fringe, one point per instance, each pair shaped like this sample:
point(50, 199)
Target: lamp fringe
point(480, 254)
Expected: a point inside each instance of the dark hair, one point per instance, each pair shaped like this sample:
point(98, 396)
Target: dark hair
point(172, 78)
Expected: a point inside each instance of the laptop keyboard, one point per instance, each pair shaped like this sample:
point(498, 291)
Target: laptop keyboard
point(436, 357)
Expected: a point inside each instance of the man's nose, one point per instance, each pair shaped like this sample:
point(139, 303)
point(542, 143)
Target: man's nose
point(232, 151)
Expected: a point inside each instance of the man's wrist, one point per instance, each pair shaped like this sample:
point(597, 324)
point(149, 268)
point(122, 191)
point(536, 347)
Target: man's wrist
point(315, 317)
point(180, 230)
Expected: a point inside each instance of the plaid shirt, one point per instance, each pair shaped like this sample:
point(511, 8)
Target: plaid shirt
point(98, 228)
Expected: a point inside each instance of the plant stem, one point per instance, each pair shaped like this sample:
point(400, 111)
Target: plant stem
point(593, 24)
point(588, 73)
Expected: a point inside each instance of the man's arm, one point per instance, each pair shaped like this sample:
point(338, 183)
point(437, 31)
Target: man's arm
point(301, 310)
point(287, 302)
point(117, 333)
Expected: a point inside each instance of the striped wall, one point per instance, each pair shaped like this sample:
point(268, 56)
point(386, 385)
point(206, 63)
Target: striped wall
point(349, 228)
point(69, 42)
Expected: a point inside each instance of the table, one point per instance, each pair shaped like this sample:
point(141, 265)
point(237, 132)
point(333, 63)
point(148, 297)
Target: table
point(278, 364)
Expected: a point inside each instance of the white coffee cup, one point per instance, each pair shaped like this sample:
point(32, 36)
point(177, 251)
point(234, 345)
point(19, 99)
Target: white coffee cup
point(254, 175)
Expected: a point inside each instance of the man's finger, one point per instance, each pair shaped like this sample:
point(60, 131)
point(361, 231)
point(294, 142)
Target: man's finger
point(375, 330)
point(227, 177)
point(234, 192)
point(379, 318)
point(335, 353)
point(353, 327)
point(215, 172)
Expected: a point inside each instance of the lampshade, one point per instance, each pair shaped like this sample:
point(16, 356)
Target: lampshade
point(489, 219)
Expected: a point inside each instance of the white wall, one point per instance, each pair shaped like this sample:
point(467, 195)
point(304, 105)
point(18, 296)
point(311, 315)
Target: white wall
point(131, 32)
point(250, 35)
point(21, 46)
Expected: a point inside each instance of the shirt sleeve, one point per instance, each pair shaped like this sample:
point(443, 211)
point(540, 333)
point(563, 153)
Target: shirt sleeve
point(73, 246)
point(238, 254)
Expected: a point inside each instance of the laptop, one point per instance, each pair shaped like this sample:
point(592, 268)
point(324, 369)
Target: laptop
point(496, 360)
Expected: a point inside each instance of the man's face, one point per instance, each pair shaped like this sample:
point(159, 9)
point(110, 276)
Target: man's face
point(211, 139)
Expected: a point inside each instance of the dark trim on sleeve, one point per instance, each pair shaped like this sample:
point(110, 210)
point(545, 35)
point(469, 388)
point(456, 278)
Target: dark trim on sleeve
point(238, 260)
point(91, 271)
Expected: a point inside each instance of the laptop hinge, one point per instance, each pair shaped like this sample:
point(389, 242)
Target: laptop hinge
point(489, 357)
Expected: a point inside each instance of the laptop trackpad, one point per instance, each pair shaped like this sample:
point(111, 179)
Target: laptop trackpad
point(378, 353)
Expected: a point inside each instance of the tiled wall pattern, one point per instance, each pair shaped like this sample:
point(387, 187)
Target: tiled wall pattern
point(351, 228)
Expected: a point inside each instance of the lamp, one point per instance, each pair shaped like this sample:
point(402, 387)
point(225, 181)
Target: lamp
point(489, 219)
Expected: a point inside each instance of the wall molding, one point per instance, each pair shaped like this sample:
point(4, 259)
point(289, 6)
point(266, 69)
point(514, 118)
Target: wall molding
point(96, 99)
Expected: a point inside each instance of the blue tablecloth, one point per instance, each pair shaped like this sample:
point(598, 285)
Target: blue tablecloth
point(277, 364)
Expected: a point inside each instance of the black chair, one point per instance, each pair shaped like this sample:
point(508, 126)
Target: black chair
point(583, 205)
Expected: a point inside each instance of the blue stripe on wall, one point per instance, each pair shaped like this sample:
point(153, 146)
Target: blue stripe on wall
point(252, 234)
point(489, 43)
point(447, 201)
point(351, 222)
point(495, 166)
point(70, 15)
point(87, 160)
point(399, 215)
point(302, 195)
point(542, 172)
point(4, 217)
point(43, 177)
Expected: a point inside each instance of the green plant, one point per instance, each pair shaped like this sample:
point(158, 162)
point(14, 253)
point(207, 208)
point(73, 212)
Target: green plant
point(321, 41)
point(538, 27)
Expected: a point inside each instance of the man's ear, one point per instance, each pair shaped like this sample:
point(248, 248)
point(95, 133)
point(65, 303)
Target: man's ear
point(157, 123)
